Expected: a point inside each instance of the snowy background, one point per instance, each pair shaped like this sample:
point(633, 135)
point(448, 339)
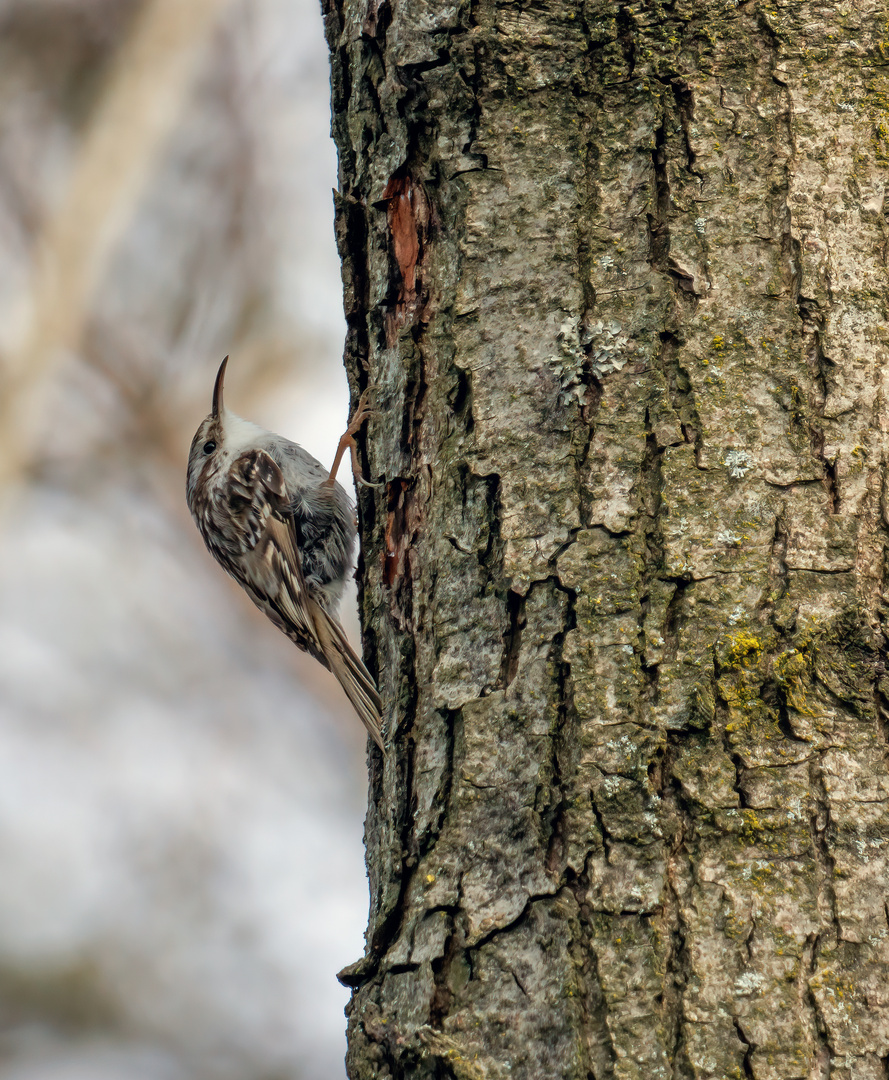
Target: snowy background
point(181, 791)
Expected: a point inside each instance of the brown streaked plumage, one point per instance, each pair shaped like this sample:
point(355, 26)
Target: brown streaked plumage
point(275, 521)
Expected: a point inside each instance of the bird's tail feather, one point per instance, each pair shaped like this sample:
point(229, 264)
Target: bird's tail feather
point(353, 676)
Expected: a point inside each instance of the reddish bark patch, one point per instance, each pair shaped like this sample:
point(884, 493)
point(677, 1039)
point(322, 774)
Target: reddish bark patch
point(409, 215)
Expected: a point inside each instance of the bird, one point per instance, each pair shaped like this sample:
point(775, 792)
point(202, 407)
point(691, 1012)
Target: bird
point(279, 523)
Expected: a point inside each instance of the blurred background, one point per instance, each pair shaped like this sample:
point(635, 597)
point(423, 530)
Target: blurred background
point(181, 791)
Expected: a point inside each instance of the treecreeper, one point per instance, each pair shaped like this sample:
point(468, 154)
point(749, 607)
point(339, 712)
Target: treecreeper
point(279, 523)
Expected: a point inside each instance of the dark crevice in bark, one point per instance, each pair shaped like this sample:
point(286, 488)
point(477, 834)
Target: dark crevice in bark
point(651, 674)
point(673, 616)
point(626, 36)
point(512, 638)
point(811, 320)
point(650, 498)
point(830, 471)
point(441, 970)
point(460, 400)
point(555, 847)
point(784, 723)
point(415, 394)
point(351, 238)
point(592, 397)
point(452, 540)
point(657, 777)
point(366, 511)
point(491, 559)
point(412, 71)
point(352, 241)
point(658, 222)
point(650, 486)
point(679, 386)
point(772, 44)
point(677, 961)
point(388, 930)
point(518, 982)
point(402, 969)
point(469, 72)
point(588, 412)
point(509, 927)
point(820, 366)
point(376, 24)
point(600, 821)
point(659, 257)
point(779, 578)
point(599, 1043)
point(749, 1047)
point(430, 834)
point(738, 782)
point(404, 516)
point(589, 197)
point(819, 827)
point(561, 748)
point(821, 1050)
point(748, 940)
point(396, 545)
point(721, 723)
point(685, 108)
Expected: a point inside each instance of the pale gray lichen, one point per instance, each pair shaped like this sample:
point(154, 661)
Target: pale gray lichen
point(738, 463)
point(599, 347)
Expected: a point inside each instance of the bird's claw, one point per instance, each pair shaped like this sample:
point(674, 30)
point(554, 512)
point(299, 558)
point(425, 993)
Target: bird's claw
point(362, 412)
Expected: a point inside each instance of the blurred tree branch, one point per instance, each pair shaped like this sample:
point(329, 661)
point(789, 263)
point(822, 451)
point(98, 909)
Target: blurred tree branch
point(135, 113)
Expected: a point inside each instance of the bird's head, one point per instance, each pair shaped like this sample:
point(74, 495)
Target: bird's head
point(219, 440)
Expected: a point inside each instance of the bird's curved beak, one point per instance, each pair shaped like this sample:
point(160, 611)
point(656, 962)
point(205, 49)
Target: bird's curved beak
point(217, 390)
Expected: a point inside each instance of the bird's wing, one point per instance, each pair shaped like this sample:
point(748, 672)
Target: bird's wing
point(273, 576)
point(269, 567)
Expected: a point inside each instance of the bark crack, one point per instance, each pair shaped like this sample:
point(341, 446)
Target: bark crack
point(820, 365)
point(749, 1048)
point(808, 309)
point(679, 385)
point(559, 748)
point(822, 1051)
point(820, 825)
point(678, 960)
point(600, 1048)
point(441, 969)
point(512, 637)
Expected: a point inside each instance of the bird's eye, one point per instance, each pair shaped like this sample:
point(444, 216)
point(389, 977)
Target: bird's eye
point(209, 447)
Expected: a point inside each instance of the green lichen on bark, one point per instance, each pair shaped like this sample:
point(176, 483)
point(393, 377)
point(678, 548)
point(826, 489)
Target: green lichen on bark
point(619, 275)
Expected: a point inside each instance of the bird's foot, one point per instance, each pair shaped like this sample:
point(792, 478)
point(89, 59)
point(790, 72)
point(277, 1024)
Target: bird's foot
point(347, 442)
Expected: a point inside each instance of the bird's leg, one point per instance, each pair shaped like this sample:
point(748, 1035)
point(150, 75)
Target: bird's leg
point(348, 442)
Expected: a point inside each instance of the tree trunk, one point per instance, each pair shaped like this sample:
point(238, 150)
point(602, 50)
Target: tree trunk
point(619, 274)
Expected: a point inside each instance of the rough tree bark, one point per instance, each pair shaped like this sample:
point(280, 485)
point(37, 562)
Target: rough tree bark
point(619, 273)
